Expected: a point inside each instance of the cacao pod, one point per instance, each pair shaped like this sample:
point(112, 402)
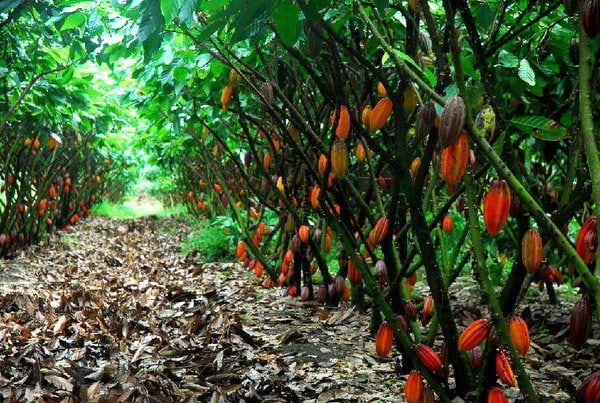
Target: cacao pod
point(425, 119)
point(234, 78)
point(447, 224)
point(384, 340)
point(591, 17)
point(586, 242)
point(381, 273)
point(413, 389)
point(504, 371)
point(322, 164)
point(303, 233)
point(496, 395)
point(314, 196)
point(454, 161)
point(403, 322)
point(410, 311)
point(266, 90)
point(532, 250)
point(322, 294)
point(452, 121)
point(354, 275)
point(485, 123)
point(380, 114)
point(339, 158)
point(475, 357)
point(410, 99)
point(473, 334)
point(379, 231)
point(343, 124)
point(429, 358)
point(496, 206)
point(381, 90)
point(360, 152)
point(519, 334)
point(414, 167)
point(366, 115)
point(589, 390)
point(226, 97)
point(305, 293)
point(580, 324)
point(427, 311)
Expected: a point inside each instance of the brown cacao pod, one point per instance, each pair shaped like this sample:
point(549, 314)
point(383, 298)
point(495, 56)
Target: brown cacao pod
point(580, 322)
point(591, 17)
point(519, 334)
point(429, 358)
point(305, 293)
point(454, 161)
point(339, 158)
point(384, 340)
point(589, 390)
point(410, 311)
point(425, 118)
point(380, 114)
point(266, 90)
point(496, 206)
point(473, 334)
point(532, 250)
point(504, 371)
point(475, 357)
point(322, 294)
point(496, 395)
point(413, 389)
point(453, 120)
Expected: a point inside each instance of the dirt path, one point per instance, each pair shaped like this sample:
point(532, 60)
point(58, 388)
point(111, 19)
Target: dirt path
point(113, 312)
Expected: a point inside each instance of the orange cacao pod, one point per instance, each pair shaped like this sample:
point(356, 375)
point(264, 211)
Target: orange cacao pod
point(343, 124)
point(414, 167)
point(354, 275)
point(379, 231)
point(496, 395)
point(366, 115)
point(380, 114)
point(267, 161)
point(303, 233)
point(519, 334)
point(413, 389)
point(473, 334)
point(580, 324)
point(381, 90)
point(226, 97)
point(339, 158)
point(503, 369)
point(447, 224)
point(589, 390)
point(314, 196)
point(454, 161)
point(427, 311)
point(384, 340)
point(429, 358)
point(496, 206)
point(322, 164)
point(360, 152)
point(452, 121)
point(532, 250)
point(586, 241)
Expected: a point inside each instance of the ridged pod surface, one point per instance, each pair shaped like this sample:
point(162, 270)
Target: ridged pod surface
point(519, 334)
point(504, 371)
point(379, 231)
point(589, 390)
point(339, 158)
point(532, 250)
point(586, 242)
point(314, 196)
point(413, 389)
point(226, 97)
point(429, 358)
point(452, 121)
point(474, 334)
point(354, 275)
point(360, 152)
point(384, 340)
point(380, 114)
point(322, 164)
point(496, 395)
point(454, 161)
point(580, 324)
point(591, 17)
point(496, 206)
point(343, 124)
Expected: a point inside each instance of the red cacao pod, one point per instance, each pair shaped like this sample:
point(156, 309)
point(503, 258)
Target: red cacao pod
point(473, 334)
point(503, 369)
point(403, 322)
point(380, 114)
point(429, 358)
point(580, 322)
point(590, 18)
point(496, 206)
point(354, 275)
point(496, 395)
point(586, 241)
point(532, 250)
point(322, 294)
point(303, 233)
point(589, 390)
point(447, 224)
point(339, 158)
point(519, 334)
point(384, 340)
point(427, 311)
point(454, 161)
point(413, 389)
point(379, 231)
point(452, 121)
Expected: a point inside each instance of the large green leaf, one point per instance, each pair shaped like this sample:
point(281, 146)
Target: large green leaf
point(286, 17)
point(526, 73)
point(73, 20)
point(541, 127)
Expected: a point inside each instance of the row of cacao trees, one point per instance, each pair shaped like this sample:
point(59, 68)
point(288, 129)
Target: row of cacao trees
point(408, 139)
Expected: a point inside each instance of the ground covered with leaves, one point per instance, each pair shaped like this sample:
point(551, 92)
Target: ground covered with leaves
point(113, 311)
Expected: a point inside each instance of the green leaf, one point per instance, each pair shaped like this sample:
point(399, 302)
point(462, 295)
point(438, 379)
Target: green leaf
point(541, 127)
point(526, 73)
point(74, 20)
point(507, 59)
point(286, 17)
point(313, 7)
point(7, 5)
point(381, 5)
point(186, 11)
point(170, 8)
point(403, 56)
point(151, 24)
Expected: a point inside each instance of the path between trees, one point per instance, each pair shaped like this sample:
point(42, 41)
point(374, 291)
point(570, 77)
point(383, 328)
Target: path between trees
point(111, 311)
